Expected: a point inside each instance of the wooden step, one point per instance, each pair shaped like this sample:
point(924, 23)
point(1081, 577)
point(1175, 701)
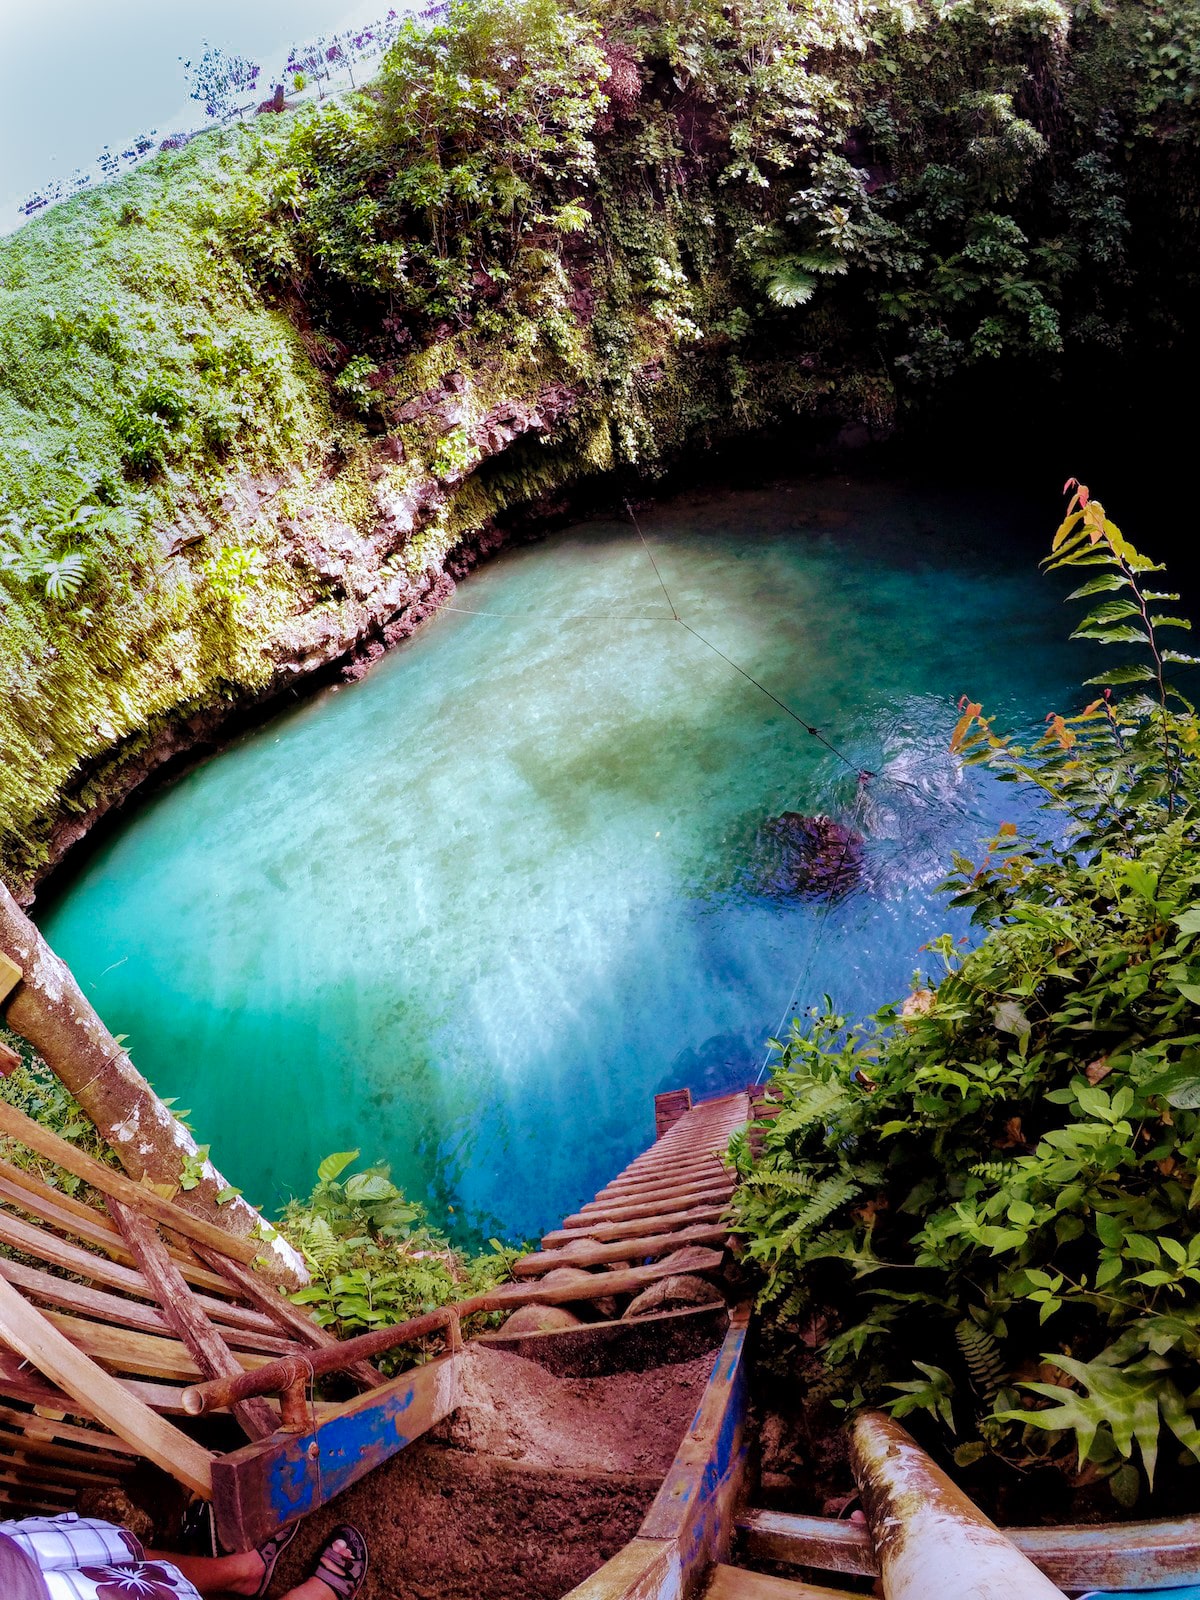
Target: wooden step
point(614, 1211)
point(664, 1190)
point(703, 1160)
point(663, 1222)
point(736, 1583)
point(585, 1254)
point(624, 1280)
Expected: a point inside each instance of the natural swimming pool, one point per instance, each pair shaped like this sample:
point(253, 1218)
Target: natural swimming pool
point(470, 914)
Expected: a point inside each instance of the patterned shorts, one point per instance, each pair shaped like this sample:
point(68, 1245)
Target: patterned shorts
point(81, 1558)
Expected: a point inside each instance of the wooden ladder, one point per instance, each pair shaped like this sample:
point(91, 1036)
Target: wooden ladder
point(664, 1209)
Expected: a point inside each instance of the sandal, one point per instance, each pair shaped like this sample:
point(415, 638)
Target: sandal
point(270, 1553)
point(345, 1575)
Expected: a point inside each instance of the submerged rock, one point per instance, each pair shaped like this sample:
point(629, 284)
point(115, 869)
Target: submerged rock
point(814, 856)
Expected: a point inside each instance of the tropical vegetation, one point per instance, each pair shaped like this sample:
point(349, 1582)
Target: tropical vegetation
point(994, 1184)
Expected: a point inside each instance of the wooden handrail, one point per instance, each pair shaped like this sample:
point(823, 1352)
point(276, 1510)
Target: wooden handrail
point(289, 1376)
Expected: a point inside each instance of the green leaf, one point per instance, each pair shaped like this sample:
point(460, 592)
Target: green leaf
point(1111, 633)
point(1107, 581)
point(333, 1166)
point(1117, 675)
point(1111, 611)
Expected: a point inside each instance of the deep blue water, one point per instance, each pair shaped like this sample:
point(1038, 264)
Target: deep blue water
point(472, 913)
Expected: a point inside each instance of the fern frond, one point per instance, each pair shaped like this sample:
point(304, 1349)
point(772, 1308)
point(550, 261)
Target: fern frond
point(985, 1363)
point(790, 1180)
point(826, 1199)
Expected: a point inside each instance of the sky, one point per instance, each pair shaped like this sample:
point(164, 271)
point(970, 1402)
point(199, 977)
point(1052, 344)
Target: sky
point(76, 75)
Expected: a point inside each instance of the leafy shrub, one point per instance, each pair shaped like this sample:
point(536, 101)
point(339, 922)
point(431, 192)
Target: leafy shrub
point(1002, 1172)
point(373, 1258)
point(142, 442)
point(354, 384)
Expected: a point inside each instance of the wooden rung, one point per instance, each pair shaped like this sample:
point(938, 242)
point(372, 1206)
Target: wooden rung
point(35, 1426)
point(19, 1442)
point(626, 1280)
point(85, 1222)
point(735, 1583)
point(602, 1211)
point(67, 1295)
point(20, 1381)
point(51, 1472)
point(122, 1350)
point(10, 975)
point(26, 1131)
point(661, 1191)
point(663, 1222)
point(587, 1254)
point(47, 1246)
point(685, 1163)
point(39, 1486)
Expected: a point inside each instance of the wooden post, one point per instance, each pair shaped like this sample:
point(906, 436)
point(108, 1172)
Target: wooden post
point(669, 1107)
point(932, 1542)
point(186, 1315)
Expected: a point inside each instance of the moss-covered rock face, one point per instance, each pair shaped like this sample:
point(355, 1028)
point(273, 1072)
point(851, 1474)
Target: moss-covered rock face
point(258, 398)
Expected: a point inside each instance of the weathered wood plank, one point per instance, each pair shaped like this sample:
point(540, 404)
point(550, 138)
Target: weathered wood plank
point(40, 1486)
point(50, 1472)
point(146, 1354)
point(662, 1222)
point(667, 1172)
point(606, 1211)
point(18, 1441)
point(735, 1583)
point(186, 1316)
point(1149, 1555)
point(627, 1280)
point(50, 1429)
point(18, 1126)
point(67, 1295)
point(52, 1205)
point(259, 1488)
point(58, 1252)
point(33, 1336)
point(820, 1542)
point(667, 1190)
point(586, 1253)
point(10, 975)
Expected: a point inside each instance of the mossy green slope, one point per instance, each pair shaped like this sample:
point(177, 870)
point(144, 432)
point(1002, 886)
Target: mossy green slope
point(252, 395)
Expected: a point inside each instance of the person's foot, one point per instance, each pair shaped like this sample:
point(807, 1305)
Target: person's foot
point(248, 1571)
point(341, 1569)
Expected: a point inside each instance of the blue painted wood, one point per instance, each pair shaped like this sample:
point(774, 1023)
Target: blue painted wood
point(694, 1506)
point(259, 1488)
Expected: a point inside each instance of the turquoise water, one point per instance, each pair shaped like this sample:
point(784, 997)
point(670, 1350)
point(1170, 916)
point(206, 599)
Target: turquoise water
point(472, 913)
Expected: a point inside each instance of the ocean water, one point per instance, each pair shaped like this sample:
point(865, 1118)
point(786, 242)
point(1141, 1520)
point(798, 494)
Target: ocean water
point(469, 915)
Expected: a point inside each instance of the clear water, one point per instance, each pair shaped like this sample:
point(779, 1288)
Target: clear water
point(472, 913)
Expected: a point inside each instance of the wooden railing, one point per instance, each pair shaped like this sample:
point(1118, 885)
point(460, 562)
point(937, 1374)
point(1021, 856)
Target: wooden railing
point(290, 1376)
